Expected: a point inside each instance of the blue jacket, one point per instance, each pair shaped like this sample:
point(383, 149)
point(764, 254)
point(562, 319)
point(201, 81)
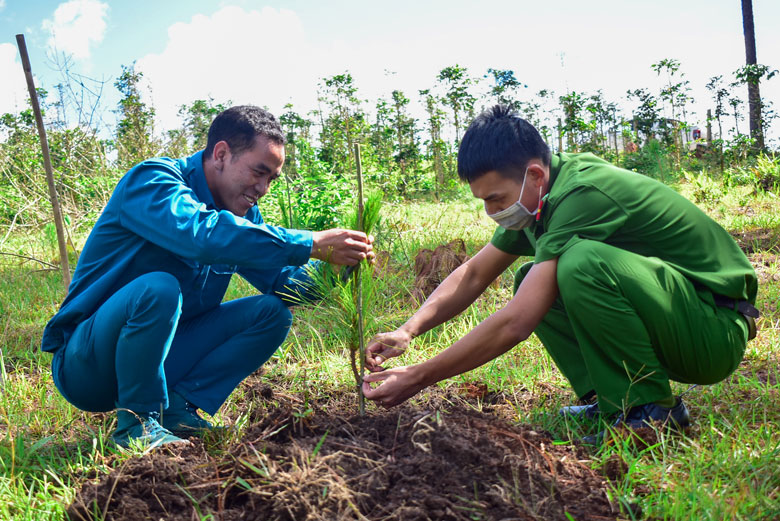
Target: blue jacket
point(161, 217)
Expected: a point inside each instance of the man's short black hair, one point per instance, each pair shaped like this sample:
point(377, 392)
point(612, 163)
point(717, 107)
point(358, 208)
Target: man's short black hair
point(498, 139)
point(240, 125)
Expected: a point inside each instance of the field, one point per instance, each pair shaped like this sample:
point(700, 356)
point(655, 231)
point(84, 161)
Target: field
point(485, 445)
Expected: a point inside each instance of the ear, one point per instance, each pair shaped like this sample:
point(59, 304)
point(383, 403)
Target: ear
point(221, 154)
point(536, 171)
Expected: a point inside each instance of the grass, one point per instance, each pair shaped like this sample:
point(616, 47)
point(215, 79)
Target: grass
point(725, 468)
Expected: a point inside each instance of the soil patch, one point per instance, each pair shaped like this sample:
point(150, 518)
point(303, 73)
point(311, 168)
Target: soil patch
point(439, 462)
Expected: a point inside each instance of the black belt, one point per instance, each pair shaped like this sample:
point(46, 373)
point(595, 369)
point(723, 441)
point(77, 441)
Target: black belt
point(743, 307)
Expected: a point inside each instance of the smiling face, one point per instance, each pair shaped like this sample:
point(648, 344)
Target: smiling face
point(238, 181)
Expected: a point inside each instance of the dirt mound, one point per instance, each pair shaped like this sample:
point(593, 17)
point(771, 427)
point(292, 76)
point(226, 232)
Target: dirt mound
point(407, 463)
point(431, 267)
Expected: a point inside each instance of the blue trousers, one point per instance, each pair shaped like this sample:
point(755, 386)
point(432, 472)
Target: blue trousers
point(134, 349)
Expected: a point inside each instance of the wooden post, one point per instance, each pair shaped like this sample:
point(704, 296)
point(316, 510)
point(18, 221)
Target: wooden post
point(46, 160)
point(358, 285)
point(709, 127)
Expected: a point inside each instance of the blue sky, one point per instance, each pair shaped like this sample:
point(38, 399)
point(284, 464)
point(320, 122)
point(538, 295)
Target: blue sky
point(272, 53)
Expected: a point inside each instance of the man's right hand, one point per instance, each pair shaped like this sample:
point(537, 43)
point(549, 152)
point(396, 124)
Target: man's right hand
point(384, 346)
point(340, 246)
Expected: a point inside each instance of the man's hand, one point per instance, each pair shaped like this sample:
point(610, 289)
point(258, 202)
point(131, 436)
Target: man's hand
point(384, 346)
point(398, 384)
point(344, 247)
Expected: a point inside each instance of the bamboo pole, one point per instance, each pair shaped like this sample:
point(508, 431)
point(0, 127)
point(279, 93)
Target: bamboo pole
point(358, 285)
point(46, 160)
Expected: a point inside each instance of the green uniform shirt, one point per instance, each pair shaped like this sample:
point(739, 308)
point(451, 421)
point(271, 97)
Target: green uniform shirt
point(590, 199)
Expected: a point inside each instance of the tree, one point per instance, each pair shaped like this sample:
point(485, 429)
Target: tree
point(735, 102)
point(603, 116)
point(382, 136)
point(437, 148)
point(344, 125)
point(296, 129)
point(457, 97)
point(754, 96)
point(720, 95)
point(574, 123)
point(541, 114)
point(135, 130)
point(197, 120)
point(406, 151)
point(505, 88)
point(675, 92)
point(646, 115)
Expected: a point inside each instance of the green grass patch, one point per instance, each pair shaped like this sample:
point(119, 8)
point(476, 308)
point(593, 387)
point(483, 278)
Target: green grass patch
point(724, 468)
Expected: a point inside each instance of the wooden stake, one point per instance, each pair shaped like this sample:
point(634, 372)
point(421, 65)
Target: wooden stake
point(359, 287)
point(46, 160)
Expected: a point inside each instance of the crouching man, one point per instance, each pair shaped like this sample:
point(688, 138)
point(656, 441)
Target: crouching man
point(631, 285)
point(143, 329)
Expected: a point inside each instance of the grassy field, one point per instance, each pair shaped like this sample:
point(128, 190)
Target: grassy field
point(726, 467)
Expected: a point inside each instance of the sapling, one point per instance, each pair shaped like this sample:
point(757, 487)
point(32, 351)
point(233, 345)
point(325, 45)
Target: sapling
point(348, 292)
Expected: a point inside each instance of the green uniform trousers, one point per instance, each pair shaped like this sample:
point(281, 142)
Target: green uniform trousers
point(624, 325)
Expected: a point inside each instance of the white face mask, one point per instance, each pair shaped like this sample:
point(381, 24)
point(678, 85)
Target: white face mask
point(517, 216)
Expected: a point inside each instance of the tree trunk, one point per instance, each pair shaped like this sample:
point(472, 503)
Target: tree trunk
point(754, 97)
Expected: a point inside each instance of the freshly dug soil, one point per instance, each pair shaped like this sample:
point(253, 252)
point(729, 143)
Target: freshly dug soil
point(445, 462)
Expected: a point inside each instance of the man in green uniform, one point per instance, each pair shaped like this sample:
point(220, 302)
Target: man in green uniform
point(631, 285)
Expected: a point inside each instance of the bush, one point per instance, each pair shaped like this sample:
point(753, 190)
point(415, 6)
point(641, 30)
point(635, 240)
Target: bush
point(651, 160)
point(312, 199)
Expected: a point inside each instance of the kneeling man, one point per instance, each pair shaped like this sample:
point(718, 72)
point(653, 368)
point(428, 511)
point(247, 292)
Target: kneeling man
point(631, 285)
point(143, 329)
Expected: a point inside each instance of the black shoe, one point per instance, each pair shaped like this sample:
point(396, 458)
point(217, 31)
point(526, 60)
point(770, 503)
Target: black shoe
point(644, 416)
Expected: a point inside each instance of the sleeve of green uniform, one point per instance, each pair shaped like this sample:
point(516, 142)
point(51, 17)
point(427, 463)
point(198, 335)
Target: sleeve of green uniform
point(513, 242)
point(583, 214)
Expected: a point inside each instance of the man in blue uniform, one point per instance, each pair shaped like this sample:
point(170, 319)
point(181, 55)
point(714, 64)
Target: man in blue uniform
point(143, 329)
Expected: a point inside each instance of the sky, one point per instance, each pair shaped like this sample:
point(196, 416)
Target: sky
point(271, 53)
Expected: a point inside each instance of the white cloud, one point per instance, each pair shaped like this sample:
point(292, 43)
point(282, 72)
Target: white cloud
point(13, 88)
point(76, 26)
point(257, 57)
point(2, 5)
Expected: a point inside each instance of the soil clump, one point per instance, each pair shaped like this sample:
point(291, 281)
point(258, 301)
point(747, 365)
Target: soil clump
point(431, 267)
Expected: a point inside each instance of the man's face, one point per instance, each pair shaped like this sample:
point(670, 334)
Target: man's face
point(500, 192)
point(242, 180)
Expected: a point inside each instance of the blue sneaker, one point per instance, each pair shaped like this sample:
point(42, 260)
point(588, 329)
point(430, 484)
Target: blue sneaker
point(141, 429)
point(182, 418)
point(646, 415)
